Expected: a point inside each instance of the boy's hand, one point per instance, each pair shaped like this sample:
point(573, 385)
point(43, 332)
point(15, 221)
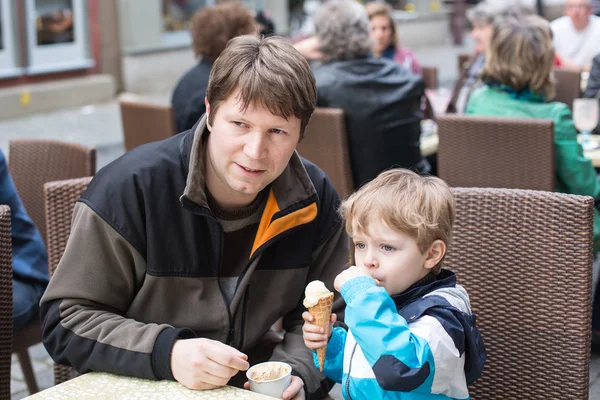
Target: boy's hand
point(315, 336)
point(348, 274)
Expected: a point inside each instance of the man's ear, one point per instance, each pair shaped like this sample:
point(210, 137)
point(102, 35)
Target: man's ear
point(207, 113)
point(435, 253)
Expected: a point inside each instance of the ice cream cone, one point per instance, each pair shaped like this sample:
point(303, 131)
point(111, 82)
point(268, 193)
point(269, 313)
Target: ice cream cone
point(321, 313)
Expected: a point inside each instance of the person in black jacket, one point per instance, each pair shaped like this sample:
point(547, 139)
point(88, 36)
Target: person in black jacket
point(212, 28)
point(593, 84)
point(381, 99)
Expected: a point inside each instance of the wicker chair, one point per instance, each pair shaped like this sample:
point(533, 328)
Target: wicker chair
point(6, 302)
point(33, 162)
point(325, 143)
point(496, 152)
point(60, 198)
point(568, 86)
point(525, 259)
point(145, 122)
point(430, 77)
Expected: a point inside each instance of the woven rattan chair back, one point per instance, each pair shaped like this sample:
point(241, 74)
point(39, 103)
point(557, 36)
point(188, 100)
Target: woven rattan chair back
point(568, 86)
point(525, 259)
point(430, 77)
point(6, 302)
point(325, 143)
point(146, 122)
point(33, 162)
point(60, 198)
point(496, 152)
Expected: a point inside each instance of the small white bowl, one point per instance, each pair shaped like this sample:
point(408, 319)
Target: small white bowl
point(273, 387)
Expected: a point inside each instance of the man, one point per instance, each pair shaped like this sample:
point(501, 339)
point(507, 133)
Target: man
point(184, 252)
point(381, 99)
point(577, 35)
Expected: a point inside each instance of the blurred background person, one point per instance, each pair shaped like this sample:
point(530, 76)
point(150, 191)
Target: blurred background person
point(592, 88)
point(385, 37)
point(29, 257)
point(381, 99)
point(577, 35)
point(518, 83)
point(265, 26)
point(482, 18)
point(211, 29)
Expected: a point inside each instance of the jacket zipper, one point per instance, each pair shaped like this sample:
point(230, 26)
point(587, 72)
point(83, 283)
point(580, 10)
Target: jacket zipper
point(231, 331)
point(243, 325)
point(350, 370)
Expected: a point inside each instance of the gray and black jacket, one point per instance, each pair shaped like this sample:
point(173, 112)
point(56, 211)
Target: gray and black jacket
point(141, 267)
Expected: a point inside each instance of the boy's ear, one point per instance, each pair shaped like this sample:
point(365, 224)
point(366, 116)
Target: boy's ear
point(207, 113)
point(435, 253)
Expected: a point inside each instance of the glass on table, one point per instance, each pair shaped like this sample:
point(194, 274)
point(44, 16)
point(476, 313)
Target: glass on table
point(585, 118)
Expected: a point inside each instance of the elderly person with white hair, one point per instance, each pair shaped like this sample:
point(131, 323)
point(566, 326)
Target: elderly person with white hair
point(381, 99)
point(577, 34)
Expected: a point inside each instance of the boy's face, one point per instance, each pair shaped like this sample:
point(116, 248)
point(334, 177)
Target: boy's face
point(246, 150)
point(391, 257)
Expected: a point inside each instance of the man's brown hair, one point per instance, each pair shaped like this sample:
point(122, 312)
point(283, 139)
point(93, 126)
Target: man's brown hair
point(422, 207)
point(213, 27)
point(269, 72)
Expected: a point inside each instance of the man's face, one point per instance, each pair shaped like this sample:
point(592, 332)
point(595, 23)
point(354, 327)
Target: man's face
point(482, 33)
point(579, 11)
point(246, 150)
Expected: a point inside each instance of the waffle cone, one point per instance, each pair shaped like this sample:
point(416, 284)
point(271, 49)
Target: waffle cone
point(321, 313)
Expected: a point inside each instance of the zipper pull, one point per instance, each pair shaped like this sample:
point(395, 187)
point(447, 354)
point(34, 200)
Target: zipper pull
point(231, 336)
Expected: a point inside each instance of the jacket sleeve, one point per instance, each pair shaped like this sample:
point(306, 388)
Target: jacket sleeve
point(83, 311)
point(573, 169)
point(334, 358)
point(402, 361)
point(593, 84)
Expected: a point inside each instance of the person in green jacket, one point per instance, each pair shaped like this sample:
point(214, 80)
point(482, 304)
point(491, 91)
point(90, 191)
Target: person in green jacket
point(517, 82)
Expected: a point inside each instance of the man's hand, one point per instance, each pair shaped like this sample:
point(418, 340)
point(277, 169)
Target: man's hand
point(315, 336)
point(348, 274)
point(205, 364)
point(293, 392)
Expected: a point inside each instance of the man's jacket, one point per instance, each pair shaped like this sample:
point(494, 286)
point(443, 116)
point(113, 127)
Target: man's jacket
point(141, 267)
point(382, 109)
point(422, 344)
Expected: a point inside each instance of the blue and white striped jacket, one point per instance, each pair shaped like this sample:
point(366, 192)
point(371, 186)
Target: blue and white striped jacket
point(421, 344)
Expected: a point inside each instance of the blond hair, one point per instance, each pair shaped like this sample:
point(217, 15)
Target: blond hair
point(420, 206)
point(266, 71)
point(376, 9)
point(521, 55)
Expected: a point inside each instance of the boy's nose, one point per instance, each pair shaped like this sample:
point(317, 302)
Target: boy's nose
point(370, 261)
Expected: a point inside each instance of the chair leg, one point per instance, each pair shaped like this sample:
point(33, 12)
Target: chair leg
point(25, 362)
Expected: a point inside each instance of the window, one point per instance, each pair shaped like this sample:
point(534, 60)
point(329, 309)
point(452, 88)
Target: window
point(54, 22)
point(177, 13)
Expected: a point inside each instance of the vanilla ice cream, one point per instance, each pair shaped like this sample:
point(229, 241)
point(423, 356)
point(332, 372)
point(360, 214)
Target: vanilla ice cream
point(269, 372)
point(314, 291)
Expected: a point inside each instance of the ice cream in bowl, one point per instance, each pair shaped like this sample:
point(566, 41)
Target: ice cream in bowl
point(270, 378)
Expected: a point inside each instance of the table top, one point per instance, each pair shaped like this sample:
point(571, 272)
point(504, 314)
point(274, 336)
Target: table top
point(97, 385)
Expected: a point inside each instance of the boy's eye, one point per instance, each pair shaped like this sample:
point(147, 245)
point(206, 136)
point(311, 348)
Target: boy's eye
point(360, 246)
point(238, 123)
point(277, 131)
point(388, 248)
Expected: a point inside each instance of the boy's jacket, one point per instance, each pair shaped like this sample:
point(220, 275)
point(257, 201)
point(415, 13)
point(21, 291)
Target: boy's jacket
point(421, 344)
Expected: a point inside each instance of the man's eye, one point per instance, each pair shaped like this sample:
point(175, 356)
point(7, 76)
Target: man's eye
point(277, 131)
point(238, 123)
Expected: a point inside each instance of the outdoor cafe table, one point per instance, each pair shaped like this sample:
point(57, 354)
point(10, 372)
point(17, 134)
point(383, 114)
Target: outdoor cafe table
point(594, 154)
point(99, 385)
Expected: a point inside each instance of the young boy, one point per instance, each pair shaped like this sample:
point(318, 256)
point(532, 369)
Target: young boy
point(411, 333)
